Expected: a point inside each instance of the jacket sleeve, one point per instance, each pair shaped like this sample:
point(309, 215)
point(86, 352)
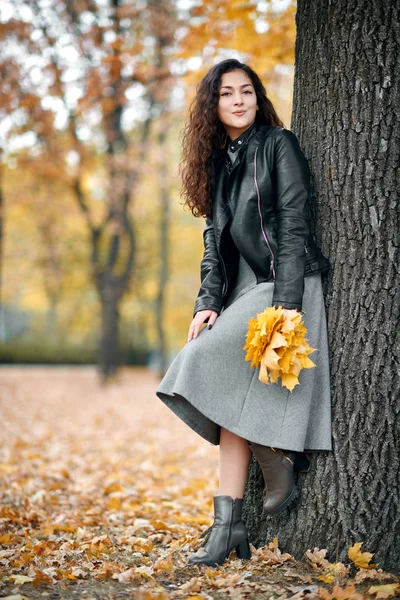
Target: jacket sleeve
point(210, 293)
point(292, 179)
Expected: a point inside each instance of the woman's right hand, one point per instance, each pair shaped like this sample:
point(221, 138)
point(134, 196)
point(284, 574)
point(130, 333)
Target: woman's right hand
point(198, 321)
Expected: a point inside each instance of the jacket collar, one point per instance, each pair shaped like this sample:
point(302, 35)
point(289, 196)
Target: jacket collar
point(242, 140)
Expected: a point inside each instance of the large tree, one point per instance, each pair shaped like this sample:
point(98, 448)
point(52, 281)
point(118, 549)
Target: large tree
point(346, 115)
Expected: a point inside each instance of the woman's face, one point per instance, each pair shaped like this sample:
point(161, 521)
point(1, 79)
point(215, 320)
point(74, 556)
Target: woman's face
point(237, 103)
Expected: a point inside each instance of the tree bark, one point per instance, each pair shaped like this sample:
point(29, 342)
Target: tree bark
point(109, 343)
point(346, 115)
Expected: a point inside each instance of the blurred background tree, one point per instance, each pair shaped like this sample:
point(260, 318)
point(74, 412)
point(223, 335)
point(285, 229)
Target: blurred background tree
point(100, 262)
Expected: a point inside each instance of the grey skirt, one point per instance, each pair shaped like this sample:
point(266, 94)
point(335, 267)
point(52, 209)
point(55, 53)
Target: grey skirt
point(209, 384)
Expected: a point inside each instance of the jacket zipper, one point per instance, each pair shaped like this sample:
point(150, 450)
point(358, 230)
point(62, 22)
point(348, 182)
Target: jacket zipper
point(225, 288)
point(261, 219)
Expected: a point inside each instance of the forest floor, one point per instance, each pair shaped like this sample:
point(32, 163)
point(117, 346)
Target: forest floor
point(104, 492)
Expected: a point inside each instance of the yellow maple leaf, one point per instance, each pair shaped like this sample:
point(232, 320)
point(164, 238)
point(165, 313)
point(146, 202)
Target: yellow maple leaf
point(276, 343)
point(264, 374)
point(274, 376)
point(289, 381)
point(306, 363)
point(277, 340)
point(270, 359)
point(328, 578)
point(360, 559)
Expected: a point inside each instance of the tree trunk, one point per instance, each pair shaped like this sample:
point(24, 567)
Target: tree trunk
point(2, 319)
point(164, 252)
point(109, 342)
point(346, 115)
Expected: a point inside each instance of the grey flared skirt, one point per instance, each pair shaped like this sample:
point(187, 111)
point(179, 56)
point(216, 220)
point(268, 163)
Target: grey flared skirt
point(209, 384)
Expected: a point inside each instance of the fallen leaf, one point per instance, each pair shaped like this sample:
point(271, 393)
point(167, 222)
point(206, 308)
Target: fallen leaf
point(21, 579)
point(145, 594)
point(360, 559)
point(164, 483)
point(165, 565)
point(317, 558)
point(328, 578)
point(339, 593)
point(41, 577)
point(14, 597)
point(388, 590)
point(377, 574)
point(334, 572)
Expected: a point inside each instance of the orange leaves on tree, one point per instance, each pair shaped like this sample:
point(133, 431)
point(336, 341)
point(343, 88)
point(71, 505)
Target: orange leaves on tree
point(276, 342)
point(360, 559)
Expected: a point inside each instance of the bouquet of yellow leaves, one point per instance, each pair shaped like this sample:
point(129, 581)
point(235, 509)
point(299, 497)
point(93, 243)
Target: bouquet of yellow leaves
point(276, 343)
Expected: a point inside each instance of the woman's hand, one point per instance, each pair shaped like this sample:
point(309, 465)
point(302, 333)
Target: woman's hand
point(198, 321)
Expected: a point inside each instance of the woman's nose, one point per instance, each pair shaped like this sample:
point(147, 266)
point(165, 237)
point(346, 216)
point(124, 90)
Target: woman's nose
point(238, 99)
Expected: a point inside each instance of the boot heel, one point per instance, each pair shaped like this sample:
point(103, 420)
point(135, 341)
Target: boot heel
point(301, 463)
point(243, 550)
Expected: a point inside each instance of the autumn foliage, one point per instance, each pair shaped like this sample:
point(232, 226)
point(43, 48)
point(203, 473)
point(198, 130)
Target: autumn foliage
point(276, 343)
point(105, 489)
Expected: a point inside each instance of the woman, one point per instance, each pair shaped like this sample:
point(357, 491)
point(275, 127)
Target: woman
point(249, 178)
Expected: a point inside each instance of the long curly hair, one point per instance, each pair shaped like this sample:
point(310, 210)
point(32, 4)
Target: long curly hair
point(204, 136)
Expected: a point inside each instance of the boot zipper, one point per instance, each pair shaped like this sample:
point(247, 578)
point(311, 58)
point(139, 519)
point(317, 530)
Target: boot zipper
point(260, 214)
point(230, 530)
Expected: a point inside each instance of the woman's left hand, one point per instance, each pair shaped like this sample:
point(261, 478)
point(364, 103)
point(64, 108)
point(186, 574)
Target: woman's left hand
point(198, 320)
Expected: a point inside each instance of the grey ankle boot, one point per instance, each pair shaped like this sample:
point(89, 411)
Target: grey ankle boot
point(227, 532)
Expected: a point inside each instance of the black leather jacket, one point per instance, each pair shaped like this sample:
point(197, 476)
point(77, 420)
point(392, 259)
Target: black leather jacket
point(260, 209)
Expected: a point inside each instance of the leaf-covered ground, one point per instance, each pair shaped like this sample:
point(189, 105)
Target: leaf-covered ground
point(104, 492)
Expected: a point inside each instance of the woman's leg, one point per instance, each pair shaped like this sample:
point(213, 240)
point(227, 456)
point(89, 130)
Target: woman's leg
point(234, 458)
point(228, 530)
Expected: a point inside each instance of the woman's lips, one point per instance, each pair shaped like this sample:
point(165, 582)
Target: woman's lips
point(239, 113)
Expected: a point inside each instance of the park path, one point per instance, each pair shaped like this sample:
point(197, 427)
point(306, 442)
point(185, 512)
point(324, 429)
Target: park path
point(63, 418)
point(82, 460)
point(104, 492)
